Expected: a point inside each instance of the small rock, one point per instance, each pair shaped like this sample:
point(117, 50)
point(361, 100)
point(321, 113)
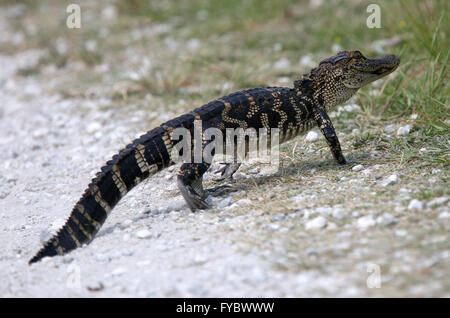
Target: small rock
point(392, 179)
point(126, 223)
point(253, 171)
point(401, 233)
point(312, 136)
point(93, 127)
point(365, 222)
point(422, 150)
point(118, 271)
point(144, 234)
point(338, 214)
point(278, 217)
point(358, 168)
point(109, 13)
point(282, 64)
point(40, 132)
point(316, 223)
point(389, 129)
point(274, 226)
point(332, 226)
point(67, 259)
point(415, 205)
point(225, 202)
point(437, 202)
point(444, 215)
point(386, 219)
point(378, 176)
point(404, 130)
point(244, 201)
point(306, 60)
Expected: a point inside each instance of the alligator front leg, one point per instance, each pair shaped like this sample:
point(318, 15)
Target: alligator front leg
point(327, 129)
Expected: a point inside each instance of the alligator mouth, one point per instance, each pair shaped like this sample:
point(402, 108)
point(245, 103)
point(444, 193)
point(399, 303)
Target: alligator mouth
point(389, 66)
point(384, 70)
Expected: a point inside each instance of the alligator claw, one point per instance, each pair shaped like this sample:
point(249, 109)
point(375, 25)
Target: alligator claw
point(227, 171)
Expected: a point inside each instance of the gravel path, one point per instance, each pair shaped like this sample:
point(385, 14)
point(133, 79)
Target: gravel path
point(151, 245)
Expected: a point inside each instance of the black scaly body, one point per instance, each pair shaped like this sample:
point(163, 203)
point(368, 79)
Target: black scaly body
point(292, 110)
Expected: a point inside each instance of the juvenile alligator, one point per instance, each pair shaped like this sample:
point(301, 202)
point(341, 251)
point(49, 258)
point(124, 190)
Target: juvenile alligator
point(292, 110)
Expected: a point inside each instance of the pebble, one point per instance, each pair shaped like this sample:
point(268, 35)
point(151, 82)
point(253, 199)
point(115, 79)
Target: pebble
point(278, 217)
point(225, 202)
point(312, 136)
point(392, 179)
point(93, 127)
point(126, 223)
point(389, 129)
point(40, 132)
point(358, 168)
point(444, 215)
point(274, 226)
point(401, 233)
point(316, 223)
point(109, 13)
point(244, 201)
point(306, 60)
point(437, 202)
point(386, 219)
point(118, 271)
point(253, 171)
point(404, 130)
point(282, 64)
point(144, 234)
point(415, 205)
point(365, 222)
point(422, 150)
point(332, 226)
point(338, 214)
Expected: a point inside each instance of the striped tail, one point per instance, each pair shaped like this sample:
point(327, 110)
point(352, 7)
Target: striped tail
point(144, 157)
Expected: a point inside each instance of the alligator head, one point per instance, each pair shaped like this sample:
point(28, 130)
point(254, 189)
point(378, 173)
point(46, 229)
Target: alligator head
point(338, 77)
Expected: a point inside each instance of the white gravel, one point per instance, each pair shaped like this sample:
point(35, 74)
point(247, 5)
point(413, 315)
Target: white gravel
point(392, 179)
point(404, 130)
point(316, 223)
point(415, 205)
point(311, 136)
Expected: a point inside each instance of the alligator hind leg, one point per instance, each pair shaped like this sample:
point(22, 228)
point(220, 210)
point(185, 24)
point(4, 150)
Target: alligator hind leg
point(190, 180)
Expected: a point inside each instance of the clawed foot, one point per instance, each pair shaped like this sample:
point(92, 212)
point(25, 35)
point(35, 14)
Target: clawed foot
point(194, 200)
point(227, 171)
point(220, 190)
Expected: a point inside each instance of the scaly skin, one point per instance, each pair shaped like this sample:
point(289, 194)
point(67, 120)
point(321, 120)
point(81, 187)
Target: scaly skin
point(292, 110)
